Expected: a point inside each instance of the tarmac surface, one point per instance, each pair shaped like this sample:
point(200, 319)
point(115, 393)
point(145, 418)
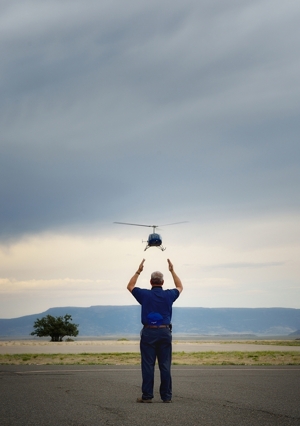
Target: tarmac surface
point(106, 395)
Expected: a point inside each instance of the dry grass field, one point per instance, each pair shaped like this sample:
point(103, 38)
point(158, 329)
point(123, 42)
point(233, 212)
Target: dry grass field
point(124, 352)
point(179, 358)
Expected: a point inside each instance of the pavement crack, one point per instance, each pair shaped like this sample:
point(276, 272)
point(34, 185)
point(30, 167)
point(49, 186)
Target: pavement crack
point(233, 404)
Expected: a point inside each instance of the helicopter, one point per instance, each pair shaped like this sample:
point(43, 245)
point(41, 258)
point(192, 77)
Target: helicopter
point(154, 239)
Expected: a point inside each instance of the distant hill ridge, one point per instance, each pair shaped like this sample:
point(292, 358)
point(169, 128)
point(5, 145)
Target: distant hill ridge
point(125, 320)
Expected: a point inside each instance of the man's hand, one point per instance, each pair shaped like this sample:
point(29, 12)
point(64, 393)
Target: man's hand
point(141, 267)
point(177, 281)
point(134, 279)
point(170, 265)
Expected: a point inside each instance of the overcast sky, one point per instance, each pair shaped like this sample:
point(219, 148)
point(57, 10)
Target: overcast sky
point(151, 113)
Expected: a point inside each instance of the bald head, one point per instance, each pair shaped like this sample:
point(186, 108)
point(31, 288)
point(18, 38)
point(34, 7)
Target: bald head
point(157, 278)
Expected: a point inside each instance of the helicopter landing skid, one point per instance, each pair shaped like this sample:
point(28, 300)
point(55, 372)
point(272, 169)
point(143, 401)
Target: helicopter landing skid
point(160, 247)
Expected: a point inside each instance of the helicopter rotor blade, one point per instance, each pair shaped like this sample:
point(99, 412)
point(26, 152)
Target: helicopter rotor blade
point(176, 223)
point(134, 224)
point(150, 226)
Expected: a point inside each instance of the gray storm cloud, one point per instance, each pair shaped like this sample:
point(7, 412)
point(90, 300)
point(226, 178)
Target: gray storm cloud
point(105, 108)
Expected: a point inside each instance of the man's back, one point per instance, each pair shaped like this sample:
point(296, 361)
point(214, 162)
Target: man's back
point(156, 300)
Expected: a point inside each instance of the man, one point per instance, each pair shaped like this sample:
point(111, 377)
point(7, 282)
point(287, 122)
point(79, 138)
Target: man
point(156, 337)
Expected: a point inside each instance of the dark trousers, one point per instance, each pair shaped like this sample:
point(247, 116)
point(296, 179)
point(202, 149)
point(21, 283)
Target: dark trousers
point(156, 343)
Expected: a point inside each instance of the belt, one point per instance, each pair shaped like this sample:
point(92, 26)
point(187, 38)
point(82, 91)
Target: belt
point(157, 326)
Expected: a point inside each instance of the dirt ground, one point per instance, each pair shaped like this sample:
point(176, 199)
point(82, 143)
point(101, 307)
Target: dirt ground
point(110, 346)
point(126, 352)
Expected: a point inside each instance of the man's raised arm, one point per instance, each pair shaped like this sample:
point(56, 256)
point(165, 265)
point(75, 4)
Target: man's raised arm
point(177, 280)
point(133, 280)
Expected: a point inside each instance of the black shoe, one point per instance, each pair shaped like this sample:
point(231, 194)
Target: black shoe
point(168, 401)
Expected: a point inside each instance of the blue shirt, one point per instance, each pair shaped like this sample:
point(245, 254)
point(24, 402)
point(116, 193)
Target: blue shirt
point(156, 300)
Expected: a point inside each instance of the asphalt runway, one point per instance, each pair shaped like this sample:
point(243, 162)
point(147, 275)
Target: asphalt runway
point(106, 395)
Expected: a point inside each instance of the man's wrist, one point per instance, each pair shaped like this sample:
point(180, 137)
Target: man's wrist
point(137, 272)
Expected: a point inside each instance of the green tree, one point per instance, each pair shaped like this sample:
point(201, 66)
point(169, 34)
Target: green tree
point(55, 327)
